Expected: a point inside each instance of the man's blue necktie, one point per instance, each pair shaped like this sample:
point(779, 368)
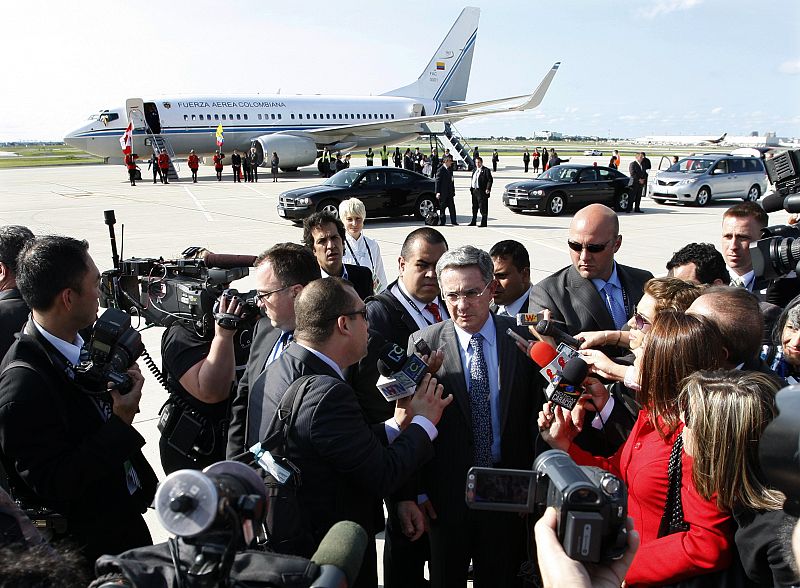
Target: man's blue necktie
point(479, 403)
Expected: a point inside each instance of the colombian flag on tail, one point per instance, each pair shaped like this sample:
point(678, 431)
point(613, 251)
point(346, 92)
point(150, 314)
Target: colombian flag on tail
point(440, 65)
point(220, 138)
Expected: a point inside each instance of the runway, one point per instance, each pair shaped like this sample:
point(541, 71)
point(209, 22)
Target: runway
point(226, 217)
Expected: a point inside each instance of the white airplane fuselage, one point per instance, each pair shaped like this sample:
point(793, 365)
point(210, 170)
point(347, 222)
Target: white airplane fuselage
point(191, 122)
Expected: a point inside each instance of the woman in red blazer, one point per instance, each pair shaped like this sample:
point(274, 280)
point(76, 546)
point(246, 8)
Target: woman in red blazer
point(676, 346)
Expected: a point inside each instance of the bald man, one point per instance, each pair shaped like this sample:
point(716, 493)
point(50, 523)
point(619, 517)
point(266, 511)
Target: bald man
point(595, 293)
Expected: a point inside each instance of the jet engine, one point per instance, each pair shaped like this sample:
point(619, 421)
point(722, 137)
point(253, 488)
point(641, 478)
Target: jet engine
point(293, 152)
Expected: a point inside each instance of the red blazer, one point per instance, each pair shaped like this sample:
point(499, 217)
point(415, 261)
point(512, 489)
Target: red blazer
point(193, 161)
point(642, 464)
point(163, 160)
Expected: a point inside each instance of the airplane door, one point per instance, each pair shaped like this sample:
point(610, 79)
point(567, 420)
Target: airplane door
point(418, 110)
point(135, 109)
point(152, 118)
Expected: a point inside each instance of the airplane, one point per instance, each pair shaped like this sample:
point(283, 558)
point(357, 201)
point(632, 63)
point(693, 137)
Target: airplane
point(299, 127)
point(714, 141)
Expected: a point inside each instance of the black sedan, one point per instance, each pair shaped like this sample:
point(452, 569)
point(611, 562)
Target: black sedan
point(385, 191)
point(569, 186)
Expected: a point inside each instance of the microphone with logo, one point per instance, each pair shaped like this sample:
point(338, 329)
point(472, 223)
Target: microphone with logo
point(400, 373)
point(548, 329)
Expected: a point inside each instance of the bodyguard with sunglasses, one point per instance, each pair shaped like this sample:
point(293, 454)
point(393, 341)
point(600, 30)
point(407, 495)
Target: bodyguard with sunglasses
point(594, 293)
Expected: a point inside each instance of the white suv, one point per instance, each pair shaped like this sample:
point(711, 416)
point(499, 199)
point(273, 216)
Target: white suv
point(699, 179)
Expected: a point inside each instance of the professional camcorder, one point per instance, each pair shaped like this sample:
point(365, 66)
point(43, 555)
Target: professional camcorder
point(186, 290)
point(591, 503)
point(778, 448)
point(217, 516)
point(777, 253)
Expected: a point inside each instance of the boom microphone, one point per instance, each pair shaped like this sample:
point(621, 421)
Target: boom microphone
point(229, 260)
point(548, 329)
point(773, 202)
point(339, 555)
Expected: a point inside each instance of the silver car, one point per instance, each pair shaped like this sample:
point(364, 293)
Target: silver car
point(699, 179)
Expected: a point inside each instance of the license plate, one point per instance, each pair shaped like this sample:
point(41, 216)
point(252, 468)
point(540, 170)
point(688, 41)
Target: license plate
point(512, 201)
point(281, 212)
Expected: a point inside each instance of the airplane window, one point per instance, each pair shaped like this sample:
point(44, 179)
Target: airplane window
point(279, 116)
point(201, 117)
point(192, 117)
point(392, 116)
point(381, 117)
point(292, 117)
point(224, 117)
point(216, 117)
point(345, 116)
point(315, 117)
point(185, 117)
point(230, 116)
point(259, 117)
point(364, 116)
point(245, 117)
point(238, 117)
point(208, 117)
point(273, 117)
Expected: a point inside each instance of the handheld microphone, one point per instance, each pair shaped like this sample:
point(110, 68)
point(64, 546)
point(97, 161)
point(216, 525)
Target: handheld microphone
point(339, 555)
point(565, 389)
point(548, 329)
point(542, 354)
point(229, 260)
point(400, 373)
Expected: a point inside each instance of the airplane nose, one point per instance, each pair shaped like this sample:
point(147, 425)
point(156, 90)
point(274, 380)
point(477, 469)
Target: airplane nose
point(76, 142)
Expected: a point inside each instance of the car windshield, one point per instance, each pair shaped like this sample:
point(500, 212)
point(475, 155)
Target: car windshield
point(345, 178)
point(559, 173)
point(691, 165)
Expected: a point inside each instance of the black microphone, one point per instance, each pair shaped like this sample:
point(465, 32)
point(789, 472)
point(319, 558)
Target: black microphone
point(773, 202)
point(575, 372)
point(229, 260)
point(548, 329)
point(400, 373)
point(566, 388)
point(339, 555)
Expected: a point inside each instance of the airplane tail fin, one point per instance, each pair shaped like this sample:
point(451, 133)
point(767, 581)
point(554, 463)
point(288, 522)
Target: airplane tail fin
point(447, 74)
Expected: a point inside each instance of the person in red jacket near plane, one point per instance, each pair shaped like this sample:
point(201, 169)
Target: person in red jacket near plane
point(163, 165)
point(193, 162)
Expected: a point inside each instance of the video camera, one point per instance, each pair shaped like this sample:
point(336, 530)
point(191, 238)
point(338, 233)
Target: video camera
point(783, 170)
point(591, 503)
point(777, 448)
point(165, 291)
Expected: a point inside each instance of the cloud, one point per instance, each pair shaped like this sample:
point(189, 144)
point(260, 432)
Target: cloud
point(571, 109)
point(660, 7)
point(791, 67)
point(716, 110)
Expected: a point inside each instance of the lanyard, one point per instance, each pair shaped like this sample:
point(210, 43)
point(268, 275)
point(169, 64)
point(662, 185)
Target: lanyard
point(353, 253)
point(413, 304)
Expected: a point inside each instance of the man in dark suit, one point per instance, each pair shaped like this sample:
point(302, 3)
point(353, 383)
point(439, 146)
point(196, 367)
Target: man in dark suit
point(638, 183)
point(346, 464)
point(324, 235)
point(64, 448)
point(512, 272)
point(480, 188)
point(491, 423)
point(594, 293)
point(407, 305)
point(281, 273)
point(13, 310)
point(446, 191)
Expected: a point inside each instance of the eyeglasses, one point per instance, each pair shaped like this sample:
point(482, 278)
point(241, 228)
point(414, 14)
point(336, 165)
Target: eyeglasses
point(263, 297)
point(641, 321)
point(362, 312)
point(590, 247)
point(469, 295)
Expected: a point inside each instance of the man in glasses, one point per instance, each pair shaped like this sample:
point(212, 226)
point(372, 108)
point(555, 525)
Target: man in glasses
point(497, 392)
point(346, 464)
point(594, 293)
point(281, 273)
point(324, 235)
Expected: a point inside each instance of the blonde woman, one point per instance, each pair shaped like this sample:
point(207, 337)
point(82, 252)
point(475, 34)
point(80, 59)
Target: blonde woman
point(724, 414)
point(358, 248)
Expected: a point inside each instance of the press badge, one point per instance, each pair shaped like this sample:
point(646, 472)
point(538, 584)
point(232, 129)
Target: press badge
point(268, 463)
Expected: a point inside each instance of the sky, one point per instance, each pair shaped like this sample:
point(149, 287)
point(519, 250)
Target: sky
point(629, 68)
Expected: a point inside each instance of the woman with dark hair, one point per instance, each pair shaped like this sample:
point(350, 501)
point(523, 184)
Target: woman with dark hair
point(724, 414)
point(676, 346)
point(783, 356)
point(274, 163)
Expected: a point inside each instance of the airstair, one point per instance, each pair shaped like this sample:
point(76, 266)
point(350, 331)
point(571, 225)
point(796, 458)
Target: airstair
point(452, 140)
point(159, 144)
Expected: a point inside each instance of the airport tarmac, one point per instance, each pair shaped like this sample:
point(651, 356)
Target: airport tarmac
point(227, 217)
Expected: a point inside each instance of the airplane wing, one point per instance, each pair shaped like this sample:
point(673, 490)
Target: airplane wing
point(418, 124)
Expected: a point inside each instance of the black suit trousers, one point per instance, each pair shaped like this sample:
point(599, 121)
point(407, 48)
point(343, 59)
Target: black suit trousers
point(636, 196)
point(447, 203)
point(480, 201)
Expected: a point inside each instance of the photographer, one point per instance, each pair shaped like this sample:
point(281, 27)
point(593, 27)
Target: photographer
point(201, 375)
point(65, 448)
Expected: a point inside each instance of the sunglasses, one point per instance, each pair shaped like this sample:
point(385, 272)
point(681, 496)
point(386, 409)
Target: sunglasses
point(642, 324)
point(590, 247)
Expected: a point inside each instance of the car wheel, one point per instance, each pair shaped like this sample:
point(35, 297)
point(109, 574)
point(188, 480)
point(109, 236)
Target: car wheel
point(555, 204)
point(753, 194)
point(622, 201)
point(424, 206)
point(659, 200)
point(329, 206)
point(703, 196)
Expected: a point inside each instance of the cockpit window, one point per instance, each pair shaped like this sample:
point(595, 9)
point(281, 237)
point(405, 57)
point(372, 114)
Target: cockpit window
point(105, 116)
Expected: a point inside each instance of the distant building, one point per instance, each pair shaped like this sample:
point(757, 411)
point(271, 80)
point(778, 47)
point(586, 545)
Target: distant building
point(548, 135)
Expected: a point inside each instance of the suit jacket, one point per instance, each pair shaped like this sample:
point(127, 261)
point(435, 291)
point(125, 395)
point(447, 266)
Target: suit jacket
point(444, 183)
point(361, 278)
point(522, 309)
point(59, 452)
point(521, 398)
point(264, 338)
point(484, 181)
point(346, 465)
point(575, 301)
point(13, 316)
point(636, 173)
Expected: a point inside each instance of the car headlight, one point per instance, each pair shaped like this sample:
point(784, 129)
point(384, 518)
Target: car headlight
point(535, 192)
point(687, 181)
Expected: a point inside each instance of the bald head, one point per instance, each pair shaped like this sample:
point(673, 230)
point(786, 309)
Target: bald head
point(596, 226)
